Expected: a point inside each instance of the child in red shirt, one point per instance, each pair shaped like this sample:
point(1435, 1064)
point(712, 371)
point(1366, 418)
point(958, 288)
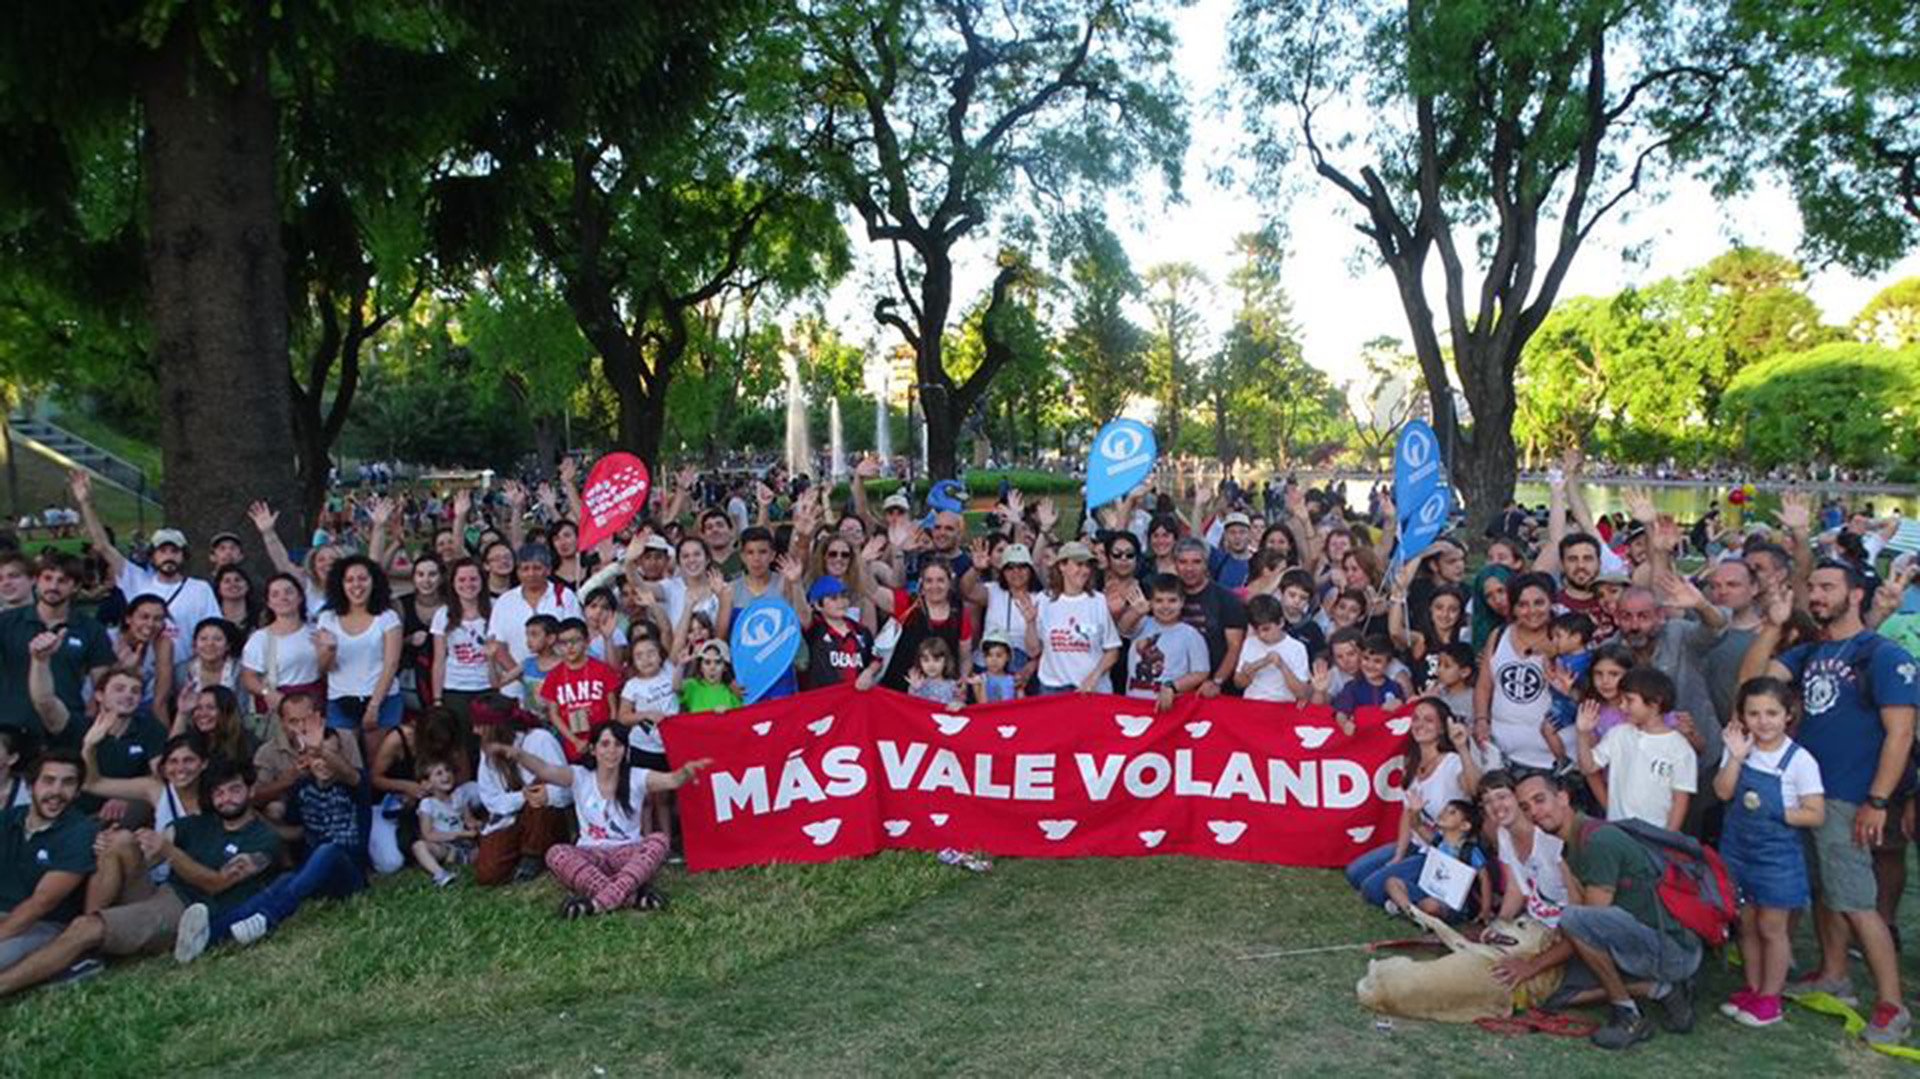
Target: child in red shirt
point(580, 692)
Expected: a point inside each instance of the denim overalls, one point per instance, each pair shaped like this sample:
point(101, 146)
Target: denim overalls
point(1764, 853)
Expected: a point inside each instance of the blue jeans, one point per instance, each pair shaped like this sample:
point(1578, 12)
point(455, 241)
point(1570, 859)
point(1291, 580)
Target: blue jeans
point(330, 872)
point(1370, 872)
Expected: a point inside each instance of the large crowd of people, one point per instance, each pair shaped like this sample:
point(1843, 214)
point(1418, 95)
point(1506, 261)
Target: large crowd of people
point(444, 680)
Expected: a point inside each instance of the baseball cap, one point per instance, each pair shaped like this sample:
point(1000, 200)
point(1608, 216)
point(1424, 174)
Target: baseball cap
point(1016, 554)
point(164, 536)
point(994, 638)
point(223, 537)
point(1238, 518)
point(897, 501)
point(714, 647)
point(826, 586)
point(1074, 551)
point(659, 543)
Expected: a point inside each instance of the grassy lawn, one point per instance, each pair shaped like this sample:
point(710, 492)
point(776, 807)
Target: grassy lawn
point(893, 965)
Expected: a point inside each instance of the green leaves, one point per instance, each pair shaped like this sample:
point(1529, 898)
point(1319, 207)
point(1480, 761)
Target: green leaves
point(1844, 403)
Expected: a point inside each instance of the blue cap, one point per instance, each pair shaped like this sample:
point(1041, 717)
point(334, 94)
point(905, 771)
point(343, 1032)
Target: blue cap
point(824, 587)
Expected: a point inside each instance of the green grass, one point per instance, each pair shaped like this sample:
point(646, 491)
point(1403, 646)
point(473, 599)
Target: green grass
point(43, 481)
point(893, 965)
point(145, 455)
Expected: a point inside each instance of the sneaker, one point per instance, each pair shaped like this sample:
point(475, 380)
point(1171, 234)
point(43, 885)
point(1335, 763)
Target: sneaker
point(1392, 908)
point(1888, 1025)
point(1759, 1011)
point(79, 972)
point(445, 878)
point(1840, 989)
point(1676, 1008)
point(1736, 1002)
point(528, 869)
point(250, 930)
point(190, 937)
point(1625, 1027)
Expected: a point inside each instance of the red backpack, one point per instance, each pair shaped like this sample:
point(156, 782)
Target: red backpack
point(1693, 887)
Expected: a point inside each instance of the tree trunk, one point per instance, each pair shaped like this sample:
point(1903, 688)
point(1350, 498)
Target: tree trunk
point(216, 284)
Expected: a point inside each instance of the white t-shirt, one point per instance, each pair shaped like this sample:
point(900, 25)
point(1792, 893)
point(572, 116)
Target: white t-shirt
point(189, 600)
point(1074, 631)
point(468, 669)
point(504, 804)
point(653, 694)
point(1538, 875)
point(508, 624)
point(1643, 772)
point(358, 659)
point(1800, 778)
point(282, 659)
point(603, 822)
point(1269, 683)
point(449, 814)
point(1440, 786)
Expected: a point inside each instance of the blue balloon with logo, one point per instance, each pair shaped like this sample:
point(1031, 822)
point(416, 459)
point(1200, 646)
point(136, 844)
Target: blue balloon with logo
point(1121, 459)
point(1421, 501)
point(1424, 524)
point(766, 634)
point(1416, 466)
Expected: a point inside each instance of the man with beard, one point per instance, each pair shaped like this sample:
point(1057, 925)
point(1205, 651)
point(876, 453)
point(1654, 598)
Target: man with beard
point(1579, 592)
point(189, 600)
point(46, 855)
point(1859, 693)
point(1676, 647)
point(75, 645)
point(218, 858)
point(1613, 933)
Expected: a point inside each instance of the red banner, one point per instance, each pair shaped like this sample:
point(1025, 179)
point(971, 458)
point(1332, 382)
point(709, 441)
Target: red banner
point(616, 489)
point(840, 773)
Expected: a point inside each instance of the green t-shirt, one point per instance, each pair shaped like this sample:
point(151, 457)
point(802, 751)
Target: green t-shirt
point(64, 846)
point(132, 753)
point(698, 696)
point(1605, 856)
point(205, 838)
point(85, 649)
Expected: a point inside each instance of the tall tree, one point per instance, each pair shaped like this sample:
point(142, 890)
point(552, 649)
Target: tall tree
point(1259, 382)
point(1834, 105)
point(1495, 138)
point(650, 195)
point(1175, 293)
point(177, 98)
point(1104, 352)
point(954, 120)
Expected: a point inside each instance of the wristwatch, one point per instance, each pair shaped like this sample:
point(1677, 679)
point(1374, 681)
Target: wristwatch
point(1876, 801)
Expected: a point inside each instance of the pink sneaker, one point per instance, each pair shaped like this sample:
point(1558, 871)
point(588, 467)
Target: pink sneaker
point(1736, 1002)
point(1759, 1011)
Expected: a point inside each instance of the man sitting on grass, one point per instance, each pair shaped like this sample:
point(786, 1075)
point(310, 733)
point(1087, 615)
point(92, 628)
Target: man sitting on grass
point(46, 855)
point(219, 859)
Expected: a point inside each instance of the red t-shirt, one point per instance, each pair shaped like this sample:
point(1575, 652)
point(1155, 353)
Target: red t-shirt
point(581, 698)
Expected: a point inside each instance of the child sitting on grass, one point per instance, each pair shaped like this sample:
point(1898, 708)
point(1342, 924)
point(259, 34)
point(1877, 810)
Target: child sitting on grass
point(1455, 835)
point(448, 825)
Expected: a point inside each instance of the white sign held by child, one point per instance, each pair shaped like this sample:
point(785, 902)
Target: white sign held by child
point(1446, 878)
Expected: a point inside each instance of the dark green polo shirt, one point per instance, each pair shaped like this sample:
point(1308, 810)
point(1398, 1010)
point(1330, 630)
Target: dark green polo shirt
point(65, 845)
point(86, 649)
point(204, 837)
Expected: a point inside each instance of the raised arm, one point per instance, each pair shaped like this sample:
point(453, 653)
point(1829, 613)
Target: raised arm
point(141, 789)
point(264, 518)
point(658, 782)
point(80, 486)
point(40, 689)
point(546, 771)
